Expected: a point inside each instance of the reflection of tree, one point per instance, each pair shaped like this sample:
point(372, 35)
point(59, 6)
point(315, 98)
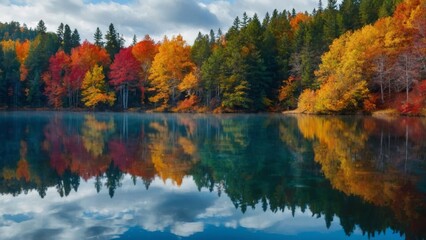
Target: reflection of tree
point(363, 163)
point(94, 134)
point(173, 155)
point(371, 167)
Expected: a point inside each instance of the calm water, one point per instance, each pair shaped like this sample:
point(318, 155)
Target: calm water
point(159, 176)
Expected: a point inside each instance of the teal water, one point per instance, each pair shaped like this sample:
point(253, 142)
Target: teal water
point(183, 176)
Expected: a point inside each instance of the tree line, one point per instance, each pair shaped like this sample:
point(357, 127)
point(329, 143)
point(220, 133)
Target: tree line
point(257, 65)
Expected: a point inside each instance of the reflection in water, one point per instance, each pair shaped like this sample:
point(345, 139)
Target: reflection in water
point(368, 173)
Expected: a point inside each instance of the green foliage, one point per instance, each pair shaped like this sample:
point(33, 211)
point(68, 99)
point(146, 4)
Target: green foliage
point(201, 49)
point(245, 69)
point(113, 43)
point(98, 38)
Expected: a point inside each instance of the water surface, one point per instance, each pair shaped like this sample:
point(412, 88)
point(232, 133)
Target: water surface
point(173, 176)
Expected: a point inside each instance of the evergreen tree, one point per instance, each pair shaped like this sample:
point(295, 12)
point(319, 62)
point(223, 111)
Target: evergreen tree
point(3, 85)
point(134, 40)
point(41, 27)
point(11, 77)
point(211, 74)
point(112, 41)
point(320, 8)
point(98, 38)
point(37, 62)
point(67, 41)
point(201, 49)
point(60, 33)
point(349, 10)
point(75, 39)
point(331, 24)
point(212, 37)
point(245, 20)
point(34, 94)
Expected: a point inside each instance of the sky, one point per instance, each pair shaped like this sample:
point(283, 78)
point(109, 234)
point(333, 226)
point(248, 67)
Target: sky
point(154, 17)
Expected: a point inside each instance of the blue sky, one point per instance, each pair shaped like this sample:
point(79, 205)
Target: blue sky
point(154, 17)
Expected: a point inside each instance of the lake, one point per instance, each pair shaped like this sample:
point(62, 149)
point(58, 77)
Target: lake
point(185, 176)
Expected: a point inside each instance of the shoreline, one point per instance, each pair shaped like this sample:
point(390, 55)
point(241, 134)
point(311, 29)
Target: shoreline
point(384, 113)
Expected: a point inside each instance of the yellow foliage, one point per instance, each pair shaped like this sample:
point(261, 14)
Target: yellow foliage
point(170, 67)
point(189, 82)
point(172, 160)
point(94, 89)
point(307, 101)
point(94, 133)
point(8, 45)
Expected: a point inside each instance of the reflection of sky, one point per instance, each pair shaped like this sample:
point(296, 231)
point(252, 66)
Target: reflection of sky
point(163, 212)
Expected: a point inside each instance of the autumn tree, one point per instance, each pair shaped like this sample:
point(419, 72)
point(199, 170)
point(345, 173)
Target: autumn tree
point(94, 88)
point(124, 73)
point(83, 58)
point(169, 68)
point(22, 51)
point(144, 52)
point(56, 78)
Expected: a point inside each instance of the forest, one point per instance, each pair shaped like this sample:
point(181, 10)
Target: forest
point(360, 56)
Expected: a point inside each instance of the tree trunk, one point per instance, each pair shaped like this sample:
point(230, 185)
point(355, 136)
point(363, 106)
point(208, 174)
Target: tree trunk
point(406, 76)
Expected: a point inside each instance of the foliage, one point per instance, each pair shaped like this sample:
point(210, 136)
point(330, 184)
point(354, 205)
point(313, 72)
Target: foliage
point(170, 67)
point(340, 55)
point(124, 73)
point(94, 88)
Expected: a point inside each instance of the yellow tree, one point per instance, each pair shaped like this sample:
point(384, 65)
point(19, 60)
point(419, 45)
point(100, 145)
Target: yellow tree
point(343, 72)
point(170, 67)
point(94, 88)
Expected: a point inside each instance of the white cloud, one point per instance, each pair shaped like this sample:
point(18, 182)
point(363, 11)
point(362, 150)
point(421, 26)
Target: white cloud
point(187, 229)
point(140, 17)
point(163, 208)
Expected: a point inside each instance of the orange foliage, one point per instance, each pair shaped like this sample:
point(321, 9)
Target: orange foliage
point(299, 18)
point(172, 161)
point(188, 104)
point(22, 51)
point(84, 58)
point(22, 172)
point(370, 103)
point(169, 68)
point(350, 165)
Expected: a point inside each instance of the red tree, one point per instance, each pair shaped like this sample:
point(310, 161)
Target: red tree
point(124, 73)
point(144, 51)
point(55, 78)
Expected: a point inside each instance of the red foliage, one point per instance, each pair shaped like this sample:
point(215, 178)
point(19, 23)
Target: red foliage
point(422, 87)
point(188, 104)
point(83, 58)
point(144, 51)
point(125, 68)
point(120, 155)
point(55, 78)
point(411, 108)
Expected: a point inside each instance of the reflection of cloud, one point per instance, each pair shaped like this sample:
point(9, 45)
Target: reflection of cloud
point(187, 229)
point(163, 208)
